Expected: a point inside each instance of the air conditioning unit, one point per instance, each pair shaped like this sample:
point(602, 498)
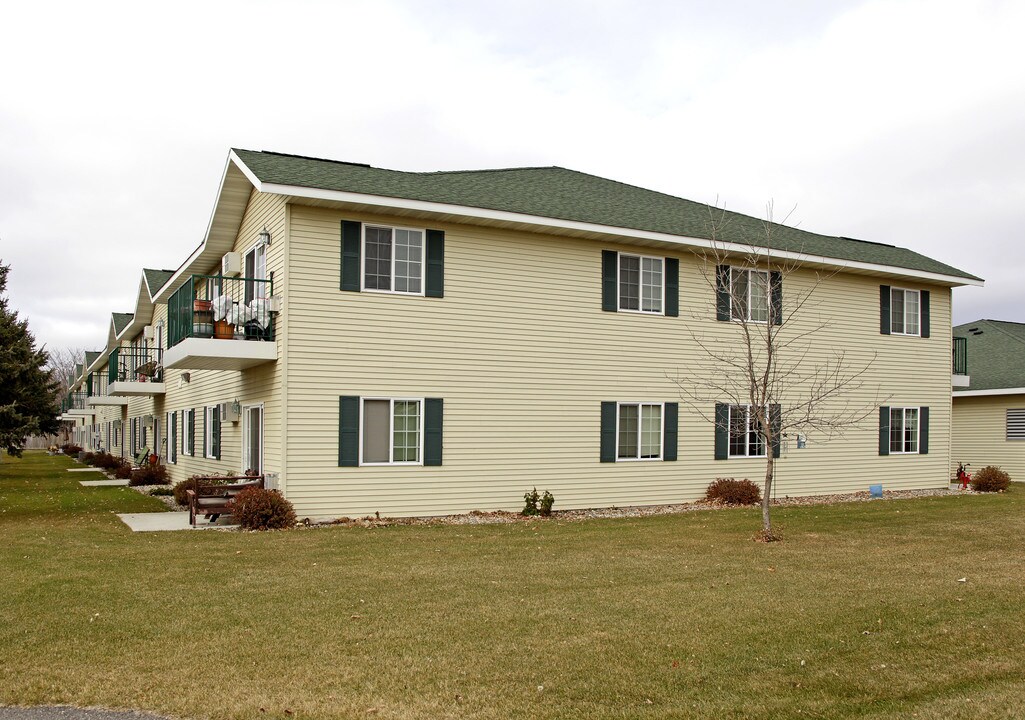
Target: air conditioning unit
point(147, 332)
point(147, 422)
point(231, 264)
point(230, 412)
point(274, 303)
point(117, 424)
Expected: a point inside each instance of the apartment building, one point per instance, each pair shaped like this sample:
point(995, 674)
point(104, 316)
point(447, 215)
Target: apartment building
point(431, 343)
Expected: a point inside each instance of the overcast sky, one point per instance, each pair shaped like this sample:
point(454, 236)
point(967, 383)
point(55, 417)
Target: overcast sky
point(897, 122)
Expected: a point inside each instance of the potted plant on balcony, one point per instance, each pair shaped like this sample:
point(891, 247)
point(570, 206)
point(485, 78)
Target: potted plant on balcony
point(224, 330)
point(202, 318)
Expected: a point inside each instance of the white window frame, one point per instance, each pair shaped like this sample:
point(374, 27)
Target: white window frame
point(768, 299)
point(904, 319)
point(187, 427)
point(391, 430)
point(245, 436)
point(747, 435)
point(208, 432)
point(171, 458)
point(904, 421)
point(661, 433)
point(363, 260)
point(640, 285)
point(259, 252)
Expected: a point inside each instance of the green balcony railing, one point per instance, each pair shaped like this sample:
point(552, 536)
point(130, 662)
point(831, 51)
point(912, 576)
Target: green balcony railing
point(215, 306)
point(960, 356)
point(74, 401)
point(96, 384)
point(134, 364)
point(112, 365)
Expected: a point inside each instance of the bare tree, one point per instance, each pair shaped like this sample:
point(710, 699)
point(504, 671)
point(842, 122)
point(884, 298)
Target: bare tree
point(763, 370)
point(63, 362)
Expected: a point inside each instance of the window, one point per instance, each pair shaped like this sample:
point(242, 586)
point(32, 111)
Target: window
point(255, 269)
point(749, 294)
point(639, 431)
point(393, 259)
point(746, 440)
point(1016, 424)
point(188, 427)
point(904, 312)
point(903, 430)
point(208, 432)
point(640, 283)
point(172, 438)
point(392, 431)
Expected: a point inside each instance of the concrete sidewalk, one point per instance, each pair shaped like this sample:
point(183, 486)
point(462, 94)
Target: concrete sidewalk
point(103, 483)
point(66, 712)
point(167, 521)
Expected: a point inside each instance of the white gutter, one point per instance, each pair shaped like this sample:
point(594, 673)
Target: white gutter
point(986, 393)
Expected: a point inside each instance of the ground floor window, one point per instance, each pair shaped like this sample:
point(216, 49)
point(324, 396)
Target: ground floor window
point(903, 430)
point(746, 439)
point(639, 432)
point(392, 431)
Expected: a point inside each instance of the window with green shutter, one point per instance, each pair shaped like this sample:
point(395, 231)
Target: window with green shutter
point(640, 283)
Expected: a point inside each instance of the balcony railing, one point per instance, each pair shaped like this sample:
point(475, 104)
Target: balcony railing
point(226, 308)
point(96, 384)
point(960, 356)
point(135, 364)
point(74, 401)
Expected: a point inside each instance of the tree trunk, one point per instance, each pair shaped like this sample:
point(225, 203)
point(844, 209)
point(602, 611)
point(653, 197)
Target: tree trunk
point(767, 493)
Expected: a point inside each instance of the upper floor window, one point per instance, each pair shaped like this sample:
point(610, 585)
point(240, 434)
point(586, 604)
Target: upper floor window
point(256, 269)
point(393, 259)
point(904, 312)
point(749, 295)
point(640, 283)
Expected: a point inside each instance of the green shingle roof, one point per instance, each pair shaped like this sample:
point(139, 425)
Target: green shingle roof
point(121, 321)
point(996, 354)
point(156, 279)
point(90, 357)
point(562, 194)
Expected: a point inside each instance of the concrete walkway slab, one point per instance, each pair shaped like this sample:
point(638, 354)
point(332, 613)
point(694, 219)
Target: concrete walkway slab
point(165, 521)
point(103, 483)
point(84, 470)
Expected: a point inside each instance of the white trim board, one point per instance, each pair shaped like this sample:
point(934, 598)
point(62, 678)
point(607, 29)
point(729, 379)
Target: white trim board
point(985, 393)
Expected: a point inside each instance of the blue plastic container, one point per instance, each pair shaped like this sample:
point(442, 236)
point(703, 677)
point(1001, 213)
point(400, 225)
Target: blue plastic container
point(875, 491)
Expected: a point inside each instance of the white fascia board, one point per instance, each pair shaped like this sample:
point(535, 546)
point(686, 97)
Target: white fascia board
point(165, 292)
point(985, 393)
point(690, 242)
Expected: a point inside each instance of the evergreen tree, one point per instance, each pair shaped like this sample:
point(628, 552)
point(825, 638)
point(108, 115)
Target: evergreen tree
point(28, 392)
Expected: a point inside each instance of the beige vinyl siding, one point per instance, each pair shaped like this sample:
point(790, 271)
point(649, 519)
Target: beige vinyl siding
point(980, 434)
point(254, 386)
point(522, 354)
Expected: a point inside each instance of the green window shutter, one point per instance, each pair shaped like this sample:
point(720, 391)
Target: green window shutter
point(884, 310)
point(722, 431)
point(348, 431)
point(776, 422)
point(776, 298)
point(722, 295)
point(215, 433)
point(884, 430)
point(434, 412)
point(609, 284)
point(670, 435)
point(351, 232)
point(112, 366)
point(608, 431)
point(924, 303)
point(435, 286)
point(192, 431)
point(923, 431)
point(672, 287)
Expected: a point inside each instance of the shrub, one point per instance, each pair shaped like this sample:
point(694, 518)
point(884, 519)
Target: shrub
point(990, 479)
point(123, 470)
point(70, 449)
point(729, 491)
point(150, 475)
point(547, 500)
point(259, 509)
point(163, 491)
point(88, 458)
point(530, 501)
point(181, 488)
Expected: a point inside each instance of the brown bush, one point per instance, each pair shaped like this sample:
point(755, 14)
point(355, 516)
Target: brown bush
point(70, 449)
point(990, 479)
point(259, 509)
point(733, 492)
point(181, 488)
point(123, 470)
point(150, 475)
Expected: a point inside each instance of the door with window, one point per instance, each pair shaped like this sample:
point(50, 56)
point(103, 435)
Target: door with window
point(252, 439)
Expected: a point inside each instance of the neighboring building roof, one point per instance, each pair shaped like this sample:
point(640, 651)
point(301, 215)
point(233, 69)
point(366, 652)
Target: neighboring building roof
point(90, 357)
point(155, 279)
point(996, 354)
point(121, 321)
point(558, 193)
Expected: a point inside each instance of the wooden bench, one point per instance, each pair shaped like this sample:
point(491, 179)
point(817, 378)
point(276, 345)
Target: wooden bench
point(211, 501)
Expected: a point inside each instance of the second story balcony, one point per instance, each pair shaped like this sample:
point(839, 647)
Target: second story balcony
point(135, 371)
point(96, 388)
point(221, 323)
point(75, 404)
point(959, 374)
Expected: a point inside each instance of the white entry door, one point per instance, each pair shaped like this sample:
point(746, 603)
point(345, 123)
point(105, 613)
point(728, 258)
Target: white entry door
point(252, 439)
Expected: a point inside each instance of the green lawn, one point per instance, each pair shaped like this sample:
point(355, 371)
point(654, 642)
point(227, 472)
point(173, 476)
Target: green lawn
point(857, 614)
